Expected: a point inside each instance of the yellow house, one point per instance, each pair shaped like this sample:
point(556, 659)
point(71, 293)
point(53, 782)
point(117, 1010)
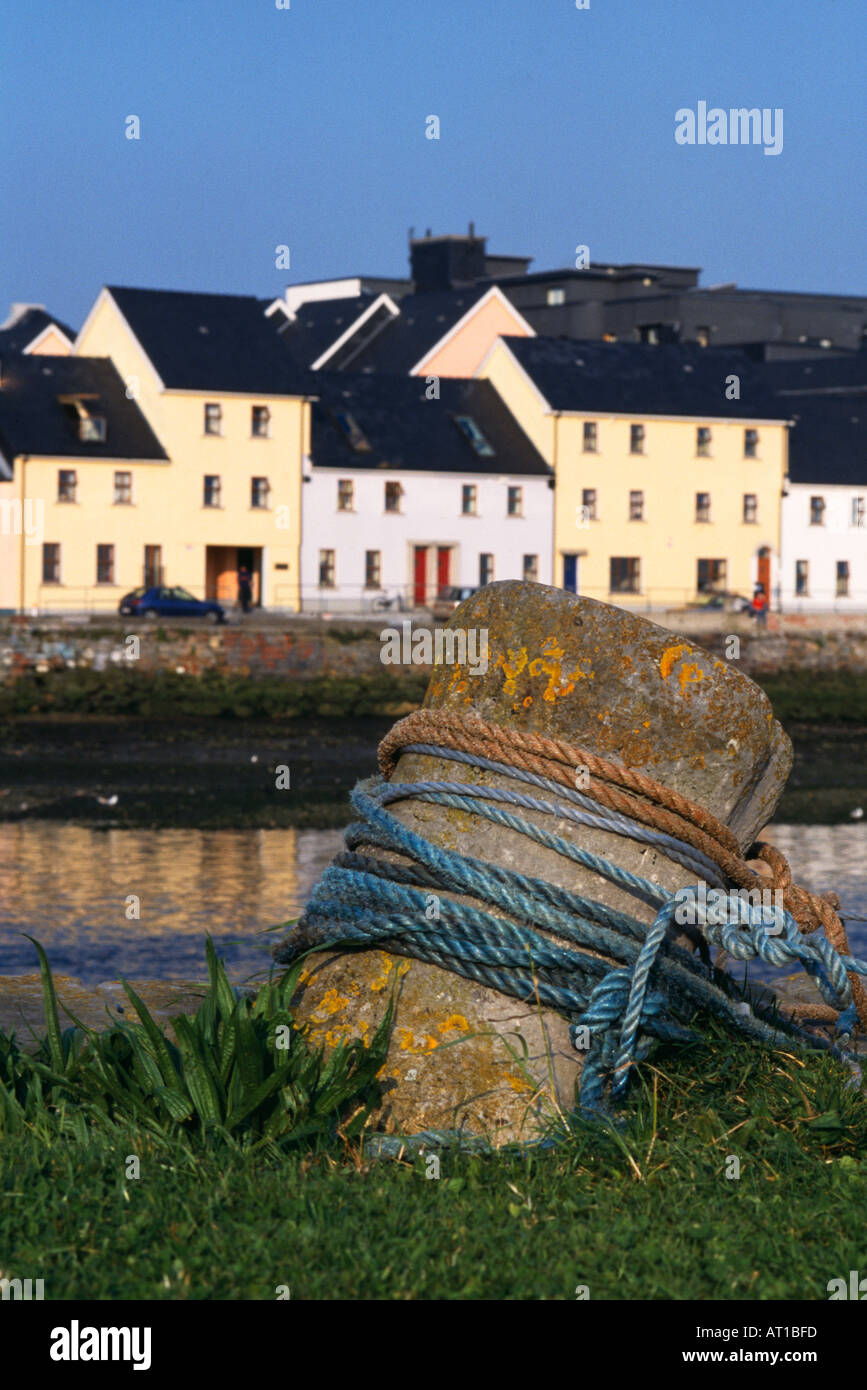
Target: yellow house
point(669, 465)
point(231, 410)
point(83, 484)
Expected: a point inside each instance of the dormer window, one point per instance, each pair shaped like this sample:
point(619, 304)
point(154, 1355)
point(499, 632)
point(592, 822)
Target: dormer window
point(84, 413)
point(468, 427)
point(352, 432)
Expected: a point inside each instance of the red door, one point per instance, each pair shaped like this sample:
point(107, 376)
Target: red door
point(444, 556)
point(419, 592)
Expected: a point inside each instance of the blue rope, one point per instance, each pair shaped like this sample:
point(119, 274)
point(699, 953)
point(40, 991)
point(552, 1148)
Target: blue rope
point(656, 986)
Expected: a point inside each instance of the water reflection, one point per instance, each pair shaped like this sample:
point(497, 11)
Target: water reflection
point(68, 886)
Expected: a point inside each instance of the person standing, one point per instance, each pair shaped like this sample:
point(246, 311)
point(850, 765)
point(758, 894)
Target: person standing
point(759, 605)
point(245, 589)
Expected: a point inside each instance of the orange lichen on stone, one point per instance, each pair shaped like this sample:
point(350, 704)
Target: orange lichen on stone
point(455, 1023)
point(689, 675)
point(330, 1003)
point(560, 682)
point(512, 668)
point(670, 656)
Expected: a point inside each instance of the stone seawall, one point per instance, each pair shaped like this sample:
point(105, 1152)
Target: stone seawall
point(302, 649)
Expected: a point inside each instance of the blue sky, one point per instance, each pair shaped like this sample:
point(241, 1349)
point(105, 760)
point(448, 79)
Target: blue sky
point(306, 127)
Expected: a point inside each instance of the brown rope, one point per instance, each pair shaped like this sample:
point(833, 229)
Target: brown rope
point(634, 794)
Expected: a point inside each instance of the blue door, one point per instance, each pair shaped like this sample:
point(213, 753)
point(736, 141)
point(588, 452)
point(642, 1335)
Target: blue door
point(570, 573)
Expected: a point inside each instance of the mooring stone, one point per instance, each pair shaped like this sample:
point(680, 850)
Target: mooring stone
point(599, 678)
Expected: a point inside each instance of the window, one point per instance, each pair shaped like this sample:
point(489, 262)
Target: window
point(153, 565)
point(702, 441)
point(260, 492)
point(393, 494)
point(212, 490)
point(590, 437)
point(842, 578)
point(260, 423)
point(486, 569)
point(51, 563)
point(624, 574)
point(636, 506)
point(636, 439)
point(858, 511)
point(467, 425)
point(372, 569)
point(213, 418)
point(702, 334)
point(346, 495)
point(751, 508)
point(469, 499)
point(90, 427)
point(751, 444)
point(354, 434)
point(515, 501)
point(105, 564)
point(326, 569)
point(702, 506)
point(122, 488)
point(588, 504)
point(556, 296)
point(530, 570)
point(711, 575)
point(67, 485)
point(817, 511)
point(649, 332)
point(802, 573)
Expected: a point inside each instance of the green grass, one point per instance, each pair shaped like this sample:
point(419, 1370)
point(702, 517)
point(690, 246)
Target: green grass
point(643, 1212)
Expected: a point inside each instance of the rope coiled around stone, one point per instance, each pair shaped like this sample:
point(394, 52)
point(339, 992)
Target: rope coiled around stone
point(602, 969)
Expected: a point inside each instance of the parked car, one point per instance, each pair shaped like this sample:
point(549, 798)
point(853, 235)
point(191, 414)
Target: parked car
point(448, 599)
point(722, 602)
point(163, 602)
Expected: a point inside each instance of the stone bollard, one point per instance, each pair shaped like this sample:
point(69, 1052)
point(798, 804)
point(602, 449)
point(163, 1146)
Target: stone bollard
point(466, 1056)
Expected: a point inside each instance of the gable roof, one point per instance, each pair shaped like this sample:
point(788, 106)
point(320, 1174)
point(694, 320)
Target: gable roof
point(318, 324)
point(211, 342)
point(639, 379)
point(406, 430)
point(27, 326)
point(409, 336)
point(33, 421)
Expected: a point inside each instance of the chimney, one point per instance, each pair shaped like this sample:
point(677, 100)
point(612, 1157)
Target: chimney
point(446, 262)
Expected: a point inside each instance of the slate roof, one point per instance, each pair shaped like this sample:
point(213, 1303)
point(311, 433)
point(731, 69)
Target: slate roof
point(407, 431)
point(32, 421)
point(30, 324)
point(838, 374)
point(828, 440)
point(422, 321)
point(319, 324)
point(640, 379)
point(211, 342)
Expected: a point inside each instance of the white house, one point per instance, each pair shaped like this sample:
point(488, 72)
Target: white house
point(408, 493)
point(823, 542)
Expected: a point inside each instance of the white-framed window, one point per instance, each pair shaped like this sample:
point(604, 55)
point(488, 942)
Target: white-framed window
point(260, 493)
point(122, 487)
point(213, 418)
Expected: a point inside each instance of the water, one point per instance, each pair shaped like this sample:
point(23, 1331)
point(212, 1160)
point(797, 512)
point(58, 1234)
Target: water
point(68, 886)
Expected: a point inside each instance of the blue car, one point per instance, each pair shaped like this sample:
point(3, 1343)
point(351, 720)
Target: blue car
point(163, 602)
